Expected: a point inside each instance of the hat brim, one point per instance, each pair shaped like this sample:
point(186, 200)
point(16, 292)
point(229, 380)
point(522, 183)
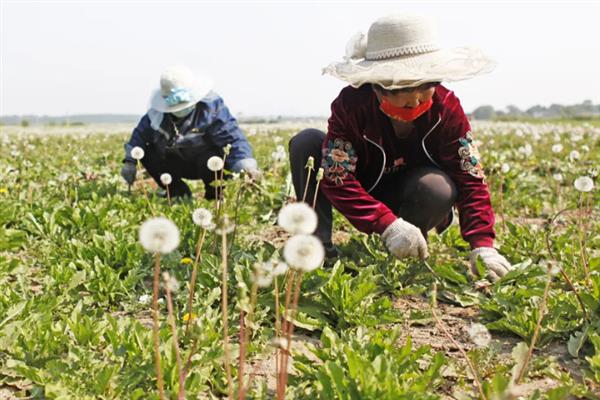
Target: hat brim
point(198, 92)
point(446, 65)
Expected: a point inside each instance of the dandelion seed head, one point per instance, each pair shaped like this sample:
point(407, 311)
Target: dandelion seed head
point(574, 155)
point(202, 217)
point(280, 268)
point(584, 184)
point(557, 177)
point(505, 168)
point(215, 163)
point(166, 179)
point(170, 282)
point(297, 218)
point(159, 235)
point(557, 148)
point(137, 153)
point(304, 252)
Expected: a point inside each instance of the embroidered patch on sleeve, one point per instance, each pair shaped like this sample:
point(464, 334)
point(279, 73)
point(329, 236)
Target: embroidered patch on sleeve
point(469, 157)
point(339, 159)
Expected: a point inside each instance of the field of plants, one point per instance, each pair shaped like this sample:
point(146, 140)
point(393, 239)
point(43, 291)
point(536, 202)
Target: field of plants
point(77, 288)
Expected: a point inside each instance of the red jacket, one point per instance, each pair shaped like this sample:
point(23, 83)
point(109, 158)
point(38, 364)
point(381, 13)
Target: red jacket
point(361, 147)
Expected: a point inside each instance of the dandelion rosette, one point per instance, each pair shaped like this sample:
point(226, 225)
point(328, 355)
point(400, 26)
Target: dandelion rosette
point(159, 235)
point(137, 153)
point(166, 179)
point(215, 163)
point(202, 217)
point(304, 252)
point(297, 218)
point(584, 184)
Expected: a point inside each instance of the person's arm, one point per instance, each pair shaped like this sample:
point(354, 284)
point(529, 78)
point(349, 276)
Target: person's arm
point(223, 129)
point(461, 160)
point(138, 138)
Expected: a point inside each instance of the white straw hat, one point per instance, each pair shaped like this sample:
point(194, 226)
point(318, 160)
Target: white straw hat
point(179, 89)
point(401, 51)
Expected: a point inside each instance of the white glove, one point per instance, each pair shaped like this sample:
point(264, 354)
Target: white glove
point(255, 174)
point(496, 264)
point(403, 239)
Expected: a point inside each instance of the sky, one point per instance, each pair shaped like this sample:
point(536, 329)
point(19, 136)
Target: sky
point(60, 58)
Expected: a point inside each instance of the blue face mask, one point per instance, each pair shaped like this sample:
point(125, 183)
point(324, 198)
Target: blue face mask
point(183, 113)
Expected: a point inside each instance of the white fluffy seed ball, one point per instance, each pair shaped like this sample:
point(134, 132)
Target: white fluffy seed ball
point(304, 252)
point(159, 235)
point(202, 217)
point(215, 163)
point(584, 184)
point(297, 218)
point(137, 153)
point(166, 179)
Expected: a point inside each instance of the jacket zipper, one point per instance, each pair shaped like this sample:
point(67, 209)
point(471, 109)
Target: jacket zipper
point(384, 161)
point(423, 142)
point(385, 158)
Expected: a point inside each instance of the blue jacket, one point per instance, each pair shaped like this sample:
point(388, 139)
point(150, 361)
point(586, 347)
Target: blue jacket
point(212, 125)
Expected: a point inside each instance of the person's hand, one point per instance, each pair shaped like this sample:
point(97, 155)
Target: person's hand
point(128, 172)
point(497, 266)
point(403, 239)
point(255, 174)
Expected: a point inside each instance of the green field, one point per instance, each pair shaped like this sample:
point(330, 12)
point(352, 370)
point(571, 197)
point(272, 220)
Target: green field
point(75, 322)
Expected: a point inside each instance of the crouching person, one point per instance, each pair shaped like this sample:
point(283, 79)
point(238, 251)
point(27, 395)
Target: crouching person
point(187, 123)
point(398, 154)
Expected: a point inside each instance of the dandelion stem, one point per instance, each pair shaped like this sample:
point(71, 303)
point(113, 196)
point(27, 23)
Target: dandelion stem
point(537, 329)
point(224, 310)
point(171, 318)
point(245, 336)
point(288, 294)
point(562, 271)
point(306, 185)
point(168, 195)
point(290, 329)
point(146, 192)
point(193, 278)
point(314, 202)
point(159, 377)
point(501, 194)
point(462, 351)
point(277, 320)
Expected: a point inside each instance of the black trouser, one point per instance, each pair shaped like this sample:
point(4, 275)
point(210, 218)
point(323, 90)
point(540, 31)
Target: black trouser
point(423, 196)
point(179, 168)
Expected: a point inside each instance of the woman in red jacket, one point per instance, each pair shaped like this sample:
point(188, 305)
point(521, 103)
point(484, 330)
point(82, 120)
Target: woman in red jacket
point(398, 154)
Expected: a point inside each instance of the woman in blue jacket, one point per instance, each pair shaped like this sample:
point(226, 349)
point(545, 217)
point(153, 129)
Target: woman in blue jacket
point(186, 125)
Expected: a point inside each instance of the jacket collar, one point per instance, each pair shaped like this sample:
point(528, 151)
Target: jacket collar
point(380, 121)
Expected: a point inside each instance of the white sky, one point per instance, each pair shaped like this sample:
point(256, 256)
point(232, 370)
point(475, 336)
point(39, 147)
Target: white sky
point(266, 58)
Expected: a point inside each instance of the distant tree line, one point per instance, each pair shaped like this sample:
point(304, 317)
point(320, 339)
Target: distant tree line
point(584, 110)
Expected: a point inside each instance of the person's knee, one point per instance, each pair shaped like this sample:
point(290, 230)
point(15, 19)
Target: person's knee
point(307, 139)
point(431, 187)
point(436, 189)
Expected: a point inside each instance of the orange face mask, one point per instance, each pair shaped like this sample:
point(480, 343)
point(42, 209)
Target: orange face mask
point(404, 113)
